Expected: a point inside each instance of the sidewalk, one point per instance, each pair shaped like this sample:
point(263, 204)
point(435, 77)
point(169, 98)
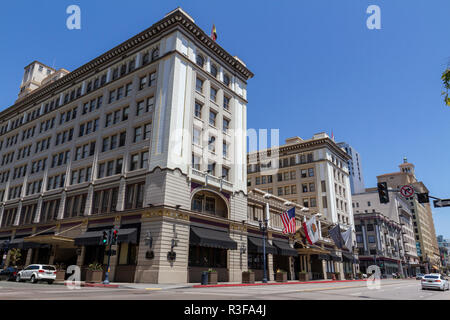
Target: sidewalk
point(169, 286)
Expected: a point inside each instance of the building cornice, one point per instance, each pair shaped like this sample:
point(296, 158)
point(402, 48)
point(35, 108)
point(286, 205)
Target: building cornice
point(298, 147)
point(178, 18)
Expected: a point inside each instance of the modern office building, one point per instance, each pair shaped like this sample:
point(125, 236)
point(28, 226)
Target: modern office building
point(354, 168)
point(385, 233)
point(424, 231)
point(312, 173)
point(148, 138)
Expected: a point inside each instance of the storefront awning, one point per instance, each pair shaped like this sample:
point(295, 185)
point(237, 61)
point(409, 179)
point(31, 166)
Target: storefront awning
point(256, 245)
point(205, 237)
point(93, 238)
point(323, 257)
point(334, 257)
point(20, 243)
point(284, 249)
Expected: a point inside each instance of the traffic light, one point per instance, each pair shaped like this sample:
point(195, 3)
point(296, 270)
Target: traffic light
point(423, 198)
point(383, 192)
point(105, 238)
point(114, 236)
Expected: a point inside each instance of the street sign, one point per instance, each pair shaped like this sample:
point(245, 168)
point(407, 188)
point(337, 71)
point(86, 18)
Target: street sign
point(407, 191)
point(441, 203)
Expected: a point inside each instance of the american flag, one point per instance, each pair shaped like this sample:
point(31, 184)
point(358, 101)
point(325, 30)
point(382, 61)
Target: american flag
point(288, 219)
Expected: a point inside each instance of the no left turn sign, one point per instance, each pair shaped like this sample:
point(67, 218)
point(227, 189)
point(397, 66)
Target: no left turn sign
point(407, 191)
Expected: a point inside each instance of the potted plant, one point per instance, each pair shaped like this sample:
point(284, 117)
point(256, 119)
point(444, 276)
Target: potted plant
point(349, 276)
point(248, 276)
point(303, 276)
point(60, 272)
point(94, 273)
point(337, 276)
point(281, 276)
point(360, 275)
point(212, 276)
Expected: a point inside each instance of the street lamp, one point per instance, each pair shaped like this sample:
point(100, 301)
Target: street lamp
point(263, 228)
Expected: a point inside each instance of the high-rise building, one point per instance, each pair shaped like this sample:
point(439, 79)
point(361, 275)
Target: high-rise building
point(354, 168)
point(149, 137)
point(424, 231)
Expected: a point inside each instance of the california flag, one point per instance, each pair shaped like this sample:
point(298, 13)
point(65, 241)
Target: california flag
point(311, 230)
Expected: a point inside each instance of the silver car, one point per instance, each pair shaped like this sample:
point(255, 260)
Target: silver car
point(37, 272)
point(434, 281)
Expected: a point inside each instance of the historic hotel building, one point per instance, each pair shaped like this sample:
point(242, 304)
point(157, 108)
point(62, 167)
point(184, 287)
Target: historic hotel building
point(314, 174)
point(150, 138)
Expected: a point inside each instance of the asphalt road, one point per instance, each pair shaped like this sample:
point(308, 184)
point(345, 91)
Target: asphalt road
point(389, 290)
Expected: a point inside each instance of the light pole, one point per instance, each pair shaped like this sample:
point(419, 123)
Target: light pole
point(263, 228)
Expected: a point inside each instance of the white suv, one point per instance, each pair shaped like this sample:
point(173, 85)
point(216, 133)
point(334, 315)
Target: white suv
point(37, 272)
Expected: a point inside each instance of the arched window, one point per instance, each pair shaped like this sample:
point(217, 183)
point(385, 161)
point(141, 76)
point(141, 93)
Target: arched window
point(226, 79)
point(214, 70)
point(155, 54)
point(200, 60)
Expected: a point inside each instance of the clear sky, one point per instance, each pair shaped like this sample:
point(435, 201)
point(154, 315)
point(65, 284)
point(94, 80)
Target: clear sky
point(317, 68)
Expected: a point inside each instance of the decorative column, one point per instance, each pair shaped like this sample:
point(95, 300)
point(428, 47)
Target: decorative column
point(62, 206)
point(28, 258)
point(18, 214)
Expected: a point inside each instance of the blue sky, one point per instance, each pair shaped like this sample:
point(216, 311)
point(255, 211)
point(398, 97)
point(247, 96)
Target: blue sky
point(317, 68)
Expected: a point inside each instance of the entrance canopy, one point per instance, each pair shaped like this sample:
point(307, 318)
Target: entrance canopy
point(50, 239)
point(205, 237)
point(255, 244)
point(284, 249)
point(94, 238)
point(334, 257)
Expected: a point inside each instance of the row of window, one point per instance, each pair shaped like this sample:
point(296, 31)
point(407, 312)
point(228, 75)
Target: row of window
point(104, 201)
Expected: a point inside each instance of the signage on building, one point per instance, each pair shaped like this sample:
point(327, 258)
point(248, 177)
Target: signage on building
point(419, 253)
point(407, 191)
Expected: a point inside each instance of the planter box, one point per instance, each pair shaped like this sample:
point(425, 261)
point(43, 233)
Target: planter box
point(60, 275)
point(337, 276)
point(281, 277)
point(94, 276)
point(212, 277)
point(303, 276)
point(349, 276)
point(248, 277)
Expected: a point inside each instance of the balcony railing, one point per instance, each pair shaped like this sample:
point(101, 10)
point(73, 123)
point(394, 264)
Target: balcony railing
point(211, 180)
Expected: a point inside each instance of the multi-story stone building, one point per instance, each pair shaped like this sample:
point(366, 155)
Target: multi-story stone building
point(354, 168)
point(150, 138)
point(385, 233)
point(424, 231)
point(312, 173)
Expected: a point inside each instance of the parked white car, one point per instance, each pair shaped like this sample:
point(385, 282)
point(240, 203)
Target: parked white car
point(37, 272)
point(434, 281)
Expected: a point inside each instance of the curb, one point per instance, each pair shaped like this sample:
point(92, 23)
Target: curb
point(83, 284)
point(271, 284)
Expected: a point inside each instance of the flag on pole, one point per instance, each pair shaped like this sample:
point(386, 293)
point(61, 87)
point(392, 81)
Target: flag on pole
point(332, 135)
point(288, 219)
point(311, 230)
point(347, 236)
point(335, 234)
point(214, 33)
